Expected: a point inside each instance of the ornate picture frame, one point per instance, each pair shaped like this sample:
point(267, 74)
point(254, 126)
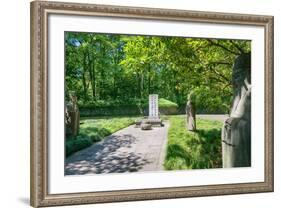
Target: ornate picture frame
point(40, 83)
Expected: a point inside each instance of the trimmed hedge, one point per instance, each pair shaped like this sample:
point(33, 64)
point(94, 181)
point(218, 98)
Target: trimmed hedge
point(166, 107)
point(110, 111)
point(74, 145)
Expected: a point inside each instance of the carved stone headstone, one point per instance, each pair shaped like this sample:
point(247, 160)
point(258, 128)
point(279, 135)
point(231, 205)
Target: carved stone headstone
point(153, 116)
point(236, 132)
point(190, 114)
point(153, 106)
point(72, 116)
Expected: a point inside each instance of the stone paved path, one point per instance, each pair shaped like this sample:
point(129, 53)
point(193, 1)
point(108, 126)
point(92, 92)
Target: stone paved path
point(128, 150)
point(217, 117)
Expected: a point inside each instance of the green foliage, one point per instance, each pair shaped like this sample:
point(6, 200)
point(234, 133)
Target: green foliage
point(98, 128)
point(129, 102)
point(193, 150)
point(94, 130)
point(208, 100)
point(113, 103)
point(74, 145)
point(128, 108)
point(108, 70)
point(166, 103)
point(167, 107)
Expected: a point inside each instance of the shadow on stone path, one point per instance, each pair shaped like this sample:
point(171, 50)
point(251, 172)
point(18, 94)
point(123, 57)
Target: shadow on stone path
point(128, 150)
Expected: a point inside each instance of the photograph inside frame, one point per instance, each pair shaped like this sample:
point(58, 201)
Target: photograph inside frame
point(136, 103)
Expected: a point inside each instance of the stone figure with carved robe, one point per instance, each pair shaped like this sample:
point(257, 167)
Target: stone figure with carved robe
point(190, 113)
point(72, 116)
point(236, 131)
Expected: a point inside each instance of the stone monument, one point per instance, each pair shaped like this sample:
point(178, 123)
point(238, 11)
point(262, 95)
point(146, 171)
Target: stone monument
point(236, 131)
point(153, 115)
point(190, 113)
point(72, 116)
point(153, 107)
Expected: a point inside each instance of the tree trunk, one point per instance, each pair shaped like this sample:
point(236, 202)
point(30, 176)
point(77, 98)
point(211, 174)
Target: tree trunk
point(149, 79)
point(94, 80)
point(142, 85)
point(139, 85)
point(84, 78)
point(115, 74)
point(102, 77)
point(176, 91)
point(92, 75)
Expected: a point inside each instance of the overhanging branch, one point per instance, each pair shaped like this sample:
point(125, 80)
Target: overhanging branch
point(222, 46)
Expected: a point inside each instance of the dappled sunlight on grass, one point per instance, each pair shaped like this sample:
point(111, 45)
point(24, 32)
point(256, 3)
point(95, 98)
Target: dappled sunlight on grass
point(95, 129)
point(104, 126)
point(193, 150)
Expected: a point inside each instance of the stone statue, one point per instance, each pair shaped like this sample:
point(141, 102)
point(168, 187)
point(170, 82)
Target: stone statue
point(68, 130)
point(190, 113)
point(72, 116)
point(236, 131)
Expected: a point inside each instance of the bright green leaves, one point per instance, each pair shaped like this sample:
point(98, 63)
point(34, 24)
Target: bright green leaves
point(110, 66)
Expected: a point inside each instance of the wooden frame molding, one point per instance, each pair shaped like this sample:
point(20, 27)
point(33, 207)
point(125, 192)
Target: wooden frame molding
point(39, 103)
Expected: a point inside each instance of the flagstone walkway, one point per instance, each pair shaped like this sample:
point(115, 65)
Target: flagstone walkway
point(127, 150)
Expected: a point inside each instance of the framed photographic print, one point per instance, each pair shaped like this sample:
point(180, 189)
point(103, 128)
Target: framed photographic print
point(143, 103)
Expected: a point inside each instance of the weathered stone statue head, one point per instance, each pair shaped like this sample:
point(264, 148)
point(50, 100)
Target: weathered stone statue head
point(241, 70)
point(72, 96)
point(236, 132)
point(191, 96)
point(73, 100)
point(191, 112)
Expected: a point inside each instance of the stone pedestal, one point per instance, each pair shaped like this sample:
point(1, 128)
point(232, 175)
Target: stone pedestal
point(146, 126)
point(153, 118)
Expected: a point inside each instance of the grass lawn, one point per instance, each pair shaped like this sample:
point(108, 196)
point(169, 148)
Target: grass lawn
point(193, 150)
point(94, 130)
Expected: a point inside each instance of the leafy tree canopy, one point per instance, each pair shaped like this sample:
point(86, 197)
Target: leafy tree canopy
point(124, 68)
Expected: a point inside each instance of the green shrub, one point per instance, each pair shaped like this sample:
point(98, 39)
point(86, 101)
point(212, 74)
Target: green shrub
point(167, 107)
point(76, 144)
point(112, 103)
point(127, 107)
point(93, 130)
point(208, 100)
